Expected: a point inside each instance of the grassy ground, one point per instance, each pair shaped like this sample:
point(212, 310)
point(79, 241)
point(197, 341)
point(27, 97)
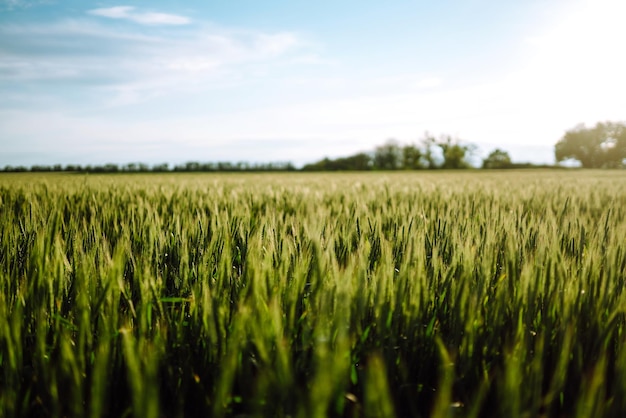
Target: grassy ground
point(311, 295)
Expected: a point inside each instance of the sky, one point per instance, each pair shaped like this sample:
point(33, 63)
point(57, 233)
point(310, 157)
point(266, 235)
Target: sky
point(291, 80)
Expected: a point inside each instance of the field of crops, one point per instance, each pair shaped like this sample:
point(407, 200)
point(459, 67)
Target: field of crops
point(312, 295)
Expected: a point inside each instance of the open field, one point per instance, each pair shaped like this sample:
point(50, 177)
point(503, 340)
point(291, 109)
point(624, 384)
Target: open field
point(309, 295)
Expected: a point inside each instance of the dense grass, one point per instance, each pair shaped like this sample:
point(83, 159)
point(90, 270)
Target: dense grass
point(421, 294)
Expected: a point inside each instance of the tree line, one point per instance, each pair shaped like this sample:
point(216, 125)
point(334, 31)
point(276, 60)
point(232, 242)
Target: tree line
point(600, 146)
point(191, 166)
point(444, 152)
point(429, 153)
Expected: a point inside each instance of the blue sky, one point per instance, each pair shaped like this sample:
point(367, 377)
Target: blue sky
point(97, 82)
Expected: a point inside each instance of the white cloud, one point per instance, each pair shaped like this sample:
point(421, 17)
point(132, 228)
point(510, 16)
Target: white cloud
point(275, 43)
point(144, 18)
point(123, 66)
point(428, 83)
point(117, 12)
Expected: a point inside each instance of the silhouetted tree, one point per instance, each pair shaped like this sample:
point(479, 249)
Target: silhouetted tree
point(40, 168)
point(160, 168)
point(15, 169)
point(601, 146)
point(360, 161)
point(497, 159)
point(357, 162)
point(320, 165)
point(412, 157)
point(454, 153)
point(111, 168)
point(388, 156)
point(192, 166)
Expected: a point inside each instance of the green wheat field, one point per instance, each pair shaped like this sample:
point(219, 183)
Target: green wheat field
point(474, 294)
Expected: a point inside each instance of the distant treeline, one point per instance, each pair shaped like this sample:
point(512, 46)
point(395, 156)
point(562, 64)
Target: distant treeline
point(428, 154)
point(339, 164)
point(191, 166)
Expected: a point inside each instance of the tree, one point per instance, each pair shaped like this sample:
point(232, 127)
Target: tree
point(110, 168)
point(454, 153)
point(160, 168)
point(388, 156)
point(497, 159)
point(601, 146)
point(427, 153)
point(411, 157)
point(360, 161)
point(73, 167)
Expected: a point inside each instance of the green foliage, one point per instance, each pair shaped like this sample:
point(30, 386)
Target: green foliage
point(358, 162)
point(312, 295)
point(454, 153)
point(433, 153)
point(388, 156)
point(412, 157)
point(599, 147)
point(498, 159)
